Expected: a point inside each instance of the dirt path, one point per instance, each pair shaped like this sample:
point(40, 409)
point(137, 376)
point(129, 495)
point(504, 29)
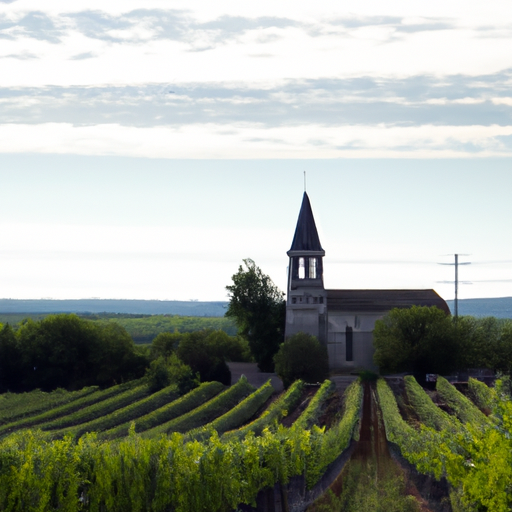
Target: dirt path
point(372, 454)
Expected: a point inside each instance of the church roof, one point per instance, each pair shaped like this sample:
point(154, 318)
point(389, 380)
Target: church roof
point(306, 236)
point(382, 300)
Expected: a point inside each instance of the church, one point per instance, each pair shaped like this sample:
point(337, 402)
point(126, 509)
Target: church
point(341, 319)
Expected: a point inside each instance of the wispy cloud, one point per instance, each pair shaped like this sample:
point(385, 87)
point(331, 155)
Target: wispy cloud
point(20, 56)
point(83, 56)
point(454, 100)
point(35, 24)
point(141, 25)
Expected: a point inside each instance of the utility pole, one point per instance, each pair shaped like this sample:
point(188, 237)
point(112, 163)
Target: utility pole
point(456, 302)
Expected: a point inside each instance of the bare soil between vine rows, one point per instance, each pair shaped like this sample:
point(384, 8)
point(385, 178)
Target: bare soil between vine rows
point(373, 447)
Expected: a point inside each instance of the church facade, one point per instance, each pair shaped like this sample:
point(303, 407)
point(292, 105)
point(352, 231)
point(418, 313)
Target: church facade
point(341, 319)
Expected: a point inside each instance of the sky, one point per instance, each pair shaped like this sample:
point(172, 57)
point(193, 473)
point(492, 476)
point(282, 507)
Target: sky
point(147, 148)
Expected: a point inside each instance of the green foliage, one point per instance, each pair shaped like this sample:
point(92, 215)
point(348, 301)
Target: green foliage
point(203, 351)
point(168, 412)
point(483, 396)
point(55, 411)
point(123, 415)
point(207, 412)
point(477, 460)
point(428, 413)
point(328, 445)
point(258, 309)
point(466, 411)
point(165, 344)
point(14, 406)
point(303, 357)
point(418, 447)
point(145, 328)
point(275, 412)
point(367, 488)
point(69, 352)
point(419, 339)
point(97, 409)
point(236, 416)
point(10, 359)
point(312, 412)
point(486, 343)
point(162, 474)
point(163, 372)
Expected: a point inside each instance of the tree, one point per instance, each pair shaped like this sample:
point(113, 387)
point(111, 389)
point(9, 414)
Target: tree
point(258, 309)
point(203, 354)
point(165, 344)
point(10, 361)
point(419, 339)
point(303, 357)
point(67, 351)
point(164, 371)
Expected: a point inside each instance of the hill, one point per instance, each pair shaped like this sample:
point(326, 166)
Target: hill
point(499, 307)
point(144, 307)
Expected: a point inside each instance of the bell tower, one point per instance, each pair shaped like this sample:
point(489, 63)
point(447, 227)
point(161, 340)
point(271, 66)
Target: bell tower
point(306, 296)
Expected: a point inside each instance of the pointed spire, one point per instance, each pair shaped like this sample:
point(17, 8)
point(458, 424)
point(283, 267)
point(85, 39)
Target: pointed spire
point(306, 236)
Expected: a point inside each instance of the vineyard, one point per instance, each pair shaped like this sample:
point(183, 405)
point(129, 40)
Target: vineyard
point(126, 449)
point(216, 448)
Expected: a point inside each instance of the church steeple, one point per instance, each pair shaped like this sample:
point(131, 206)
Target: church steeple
point(306, 268)
point(306, 236)
point(306, 296)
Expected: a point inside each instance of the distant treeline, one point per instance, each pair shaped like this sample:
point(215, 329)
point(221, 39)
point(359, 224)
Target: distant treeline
point(142, 328)
point(145, 307)
point(68, 351)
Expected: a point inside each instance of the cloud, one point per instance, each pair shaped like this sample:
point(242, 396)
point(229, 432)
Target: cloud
point(134, 26)
point(228, 27)
point(20, 56)
point(454, 100)
point(395, 25)
point(154, 24)
point(35, 24)
point(254, 141)
point(83, 56)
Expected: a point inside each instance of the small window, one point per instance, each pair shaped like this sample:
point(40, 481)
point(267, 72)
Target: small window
point(302, 269)
point(349, 344)
point(321, 300)
point(312, 268)
point(294, 300)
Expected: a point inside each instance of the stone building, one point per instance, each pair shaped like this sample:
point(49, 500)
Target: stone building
point(342, 319)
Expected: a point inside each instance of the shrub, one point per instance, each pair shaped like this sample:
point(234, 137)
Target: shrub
point(419, 339)
point(302, 356)
point(163, 372)
point(202, 352)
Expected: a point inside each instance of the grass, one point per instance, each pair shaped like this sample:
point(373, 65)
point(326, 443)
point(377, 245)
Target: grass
point(367, 488)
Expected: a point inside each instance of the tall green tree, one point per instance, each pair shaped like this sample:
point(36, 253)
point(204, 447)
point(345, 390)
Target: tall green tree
point(419, 339)
point(204, 354)
point(303, 357)
point(10, 361)
point(258, 308)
